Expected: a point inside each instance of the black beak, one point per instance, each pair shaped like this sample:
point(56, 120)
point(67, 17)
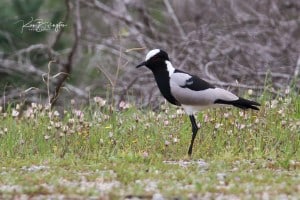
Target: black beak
point(141, 64)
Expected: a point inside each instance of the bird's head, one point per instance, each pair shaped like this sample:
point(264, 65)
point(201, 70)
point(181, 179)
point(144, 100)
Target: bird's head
point(155, 59)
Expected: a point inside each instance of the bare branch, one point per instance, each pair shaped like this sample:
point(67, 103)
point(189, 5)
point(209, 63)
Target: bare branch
point(66, 70)
point(175, 19)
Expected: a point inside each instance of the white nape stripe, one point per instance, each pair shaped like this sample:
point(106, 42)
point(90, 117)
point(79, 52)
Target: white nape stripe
point(170, 68)
point(151, 54)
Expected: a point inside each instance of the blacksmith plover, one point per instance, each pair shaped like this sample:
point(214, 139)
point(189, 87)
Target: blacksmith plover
point(189, 91)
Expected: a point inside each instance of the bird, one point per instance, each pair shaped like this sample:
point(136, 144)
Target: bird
point(187, 90)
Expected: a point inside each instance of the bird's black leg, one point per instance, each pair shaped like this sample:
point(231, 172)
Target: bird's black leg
point(195, 130)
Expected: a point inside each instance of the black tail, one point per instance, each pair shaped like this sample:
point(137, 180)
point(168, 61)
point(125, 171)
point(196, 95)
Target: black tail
point(240, 103)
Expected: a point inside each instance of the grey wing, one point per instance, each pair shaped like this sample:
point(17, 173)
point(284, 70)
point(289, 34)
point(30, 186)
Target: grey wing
point(191, 90)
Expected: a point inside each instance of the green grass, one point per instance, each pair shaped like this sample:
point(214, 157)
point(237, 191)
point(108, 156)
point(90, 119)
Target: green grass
point(104, 153)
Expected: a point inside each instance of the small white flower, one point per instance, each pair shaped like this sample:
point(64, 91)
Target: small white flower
point(180, 112)
point(65, 128)
point(98, 100)
point(124, 105)
point(274, 103)
point(226, 115)
point(15, 113)
point(167, 143)
point(78, 113)
point(33, 105)
point(287, 90)
point(110, 134)
point(73, 101)
point(241, 126)
point(57, 125)
point(250, 92)
point(47, 137)
point(71, 121)
point(145, 154)
point(56, 113)
point(218, 125)
point(175, 140)
point(241, 113)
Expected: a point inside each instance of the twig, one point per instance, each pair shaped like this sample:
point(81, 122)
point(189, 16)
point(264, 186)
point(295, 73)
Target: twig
point(297, 68)
point(175, 19)
point(66, 68)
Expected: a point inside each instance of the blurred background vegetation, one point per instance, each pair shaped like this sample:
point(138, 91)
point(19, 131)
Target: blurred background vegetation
point(235, 44)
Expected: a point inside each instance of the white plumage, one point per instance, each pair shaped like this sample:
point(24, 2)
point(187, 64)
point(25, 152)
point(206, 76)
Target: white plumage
point(189, 91)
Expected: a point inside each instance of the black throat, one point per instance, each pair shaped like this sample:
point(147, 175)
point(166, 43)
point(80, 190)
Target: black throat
point(163, 82)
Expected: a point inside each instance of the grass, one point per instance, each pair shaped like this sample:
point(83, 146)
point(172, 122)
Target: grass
point(100, 152)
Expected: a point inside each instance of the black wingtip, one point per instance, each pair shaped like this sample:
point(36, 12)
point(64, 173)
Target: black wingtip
point(240, 103)
point(246, 104)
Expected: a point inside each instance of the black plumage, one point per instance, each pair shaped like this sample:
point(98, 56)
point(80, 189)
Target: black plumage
point(189, 91)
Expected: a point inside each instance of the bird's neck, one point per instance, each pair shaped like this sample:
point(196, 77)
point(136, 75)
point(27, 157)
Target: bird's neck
point(162, 77)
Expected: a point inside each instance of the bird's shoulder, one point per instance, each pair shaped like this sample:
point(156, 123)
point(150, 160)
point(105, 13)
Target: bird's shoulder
point(192, 82)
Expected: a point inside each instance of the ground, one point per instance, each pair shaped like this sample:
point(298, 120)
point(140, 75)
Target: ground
point(98, 152)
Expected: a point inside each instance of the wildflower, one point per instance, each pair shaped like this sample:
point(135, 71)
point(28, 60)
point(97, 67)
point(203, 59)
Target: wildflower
point(274, 103)
point(175, 140)
point(40, 106)
point(56, 113)
point(218, 125)
point(73, 101)
point(71, 121)
point(288, 100)
point(180, 112)
point(18, 107)
point(206, 118)
point(241, 113)
point(281, 112)
point(101, 141)
point(57, 125)
point(226, 115)
point(98, 100)
point(250, 92)
point(167, 143)
point(33, 105)
point(46, 137)
point(48, 107)
point(124, 105)
point(65, 129)
point(5, 130)
point(110, 134)
point(287, 90)
point(241, 126)
point(145, 154)
point(28, 113)
point(15, 113)
point(1, 108)
point(78, 113)
point(166, 122)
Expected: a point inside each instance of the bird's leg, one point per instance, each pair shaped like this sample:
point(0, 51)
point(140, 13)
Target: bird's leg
point(195, 130)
